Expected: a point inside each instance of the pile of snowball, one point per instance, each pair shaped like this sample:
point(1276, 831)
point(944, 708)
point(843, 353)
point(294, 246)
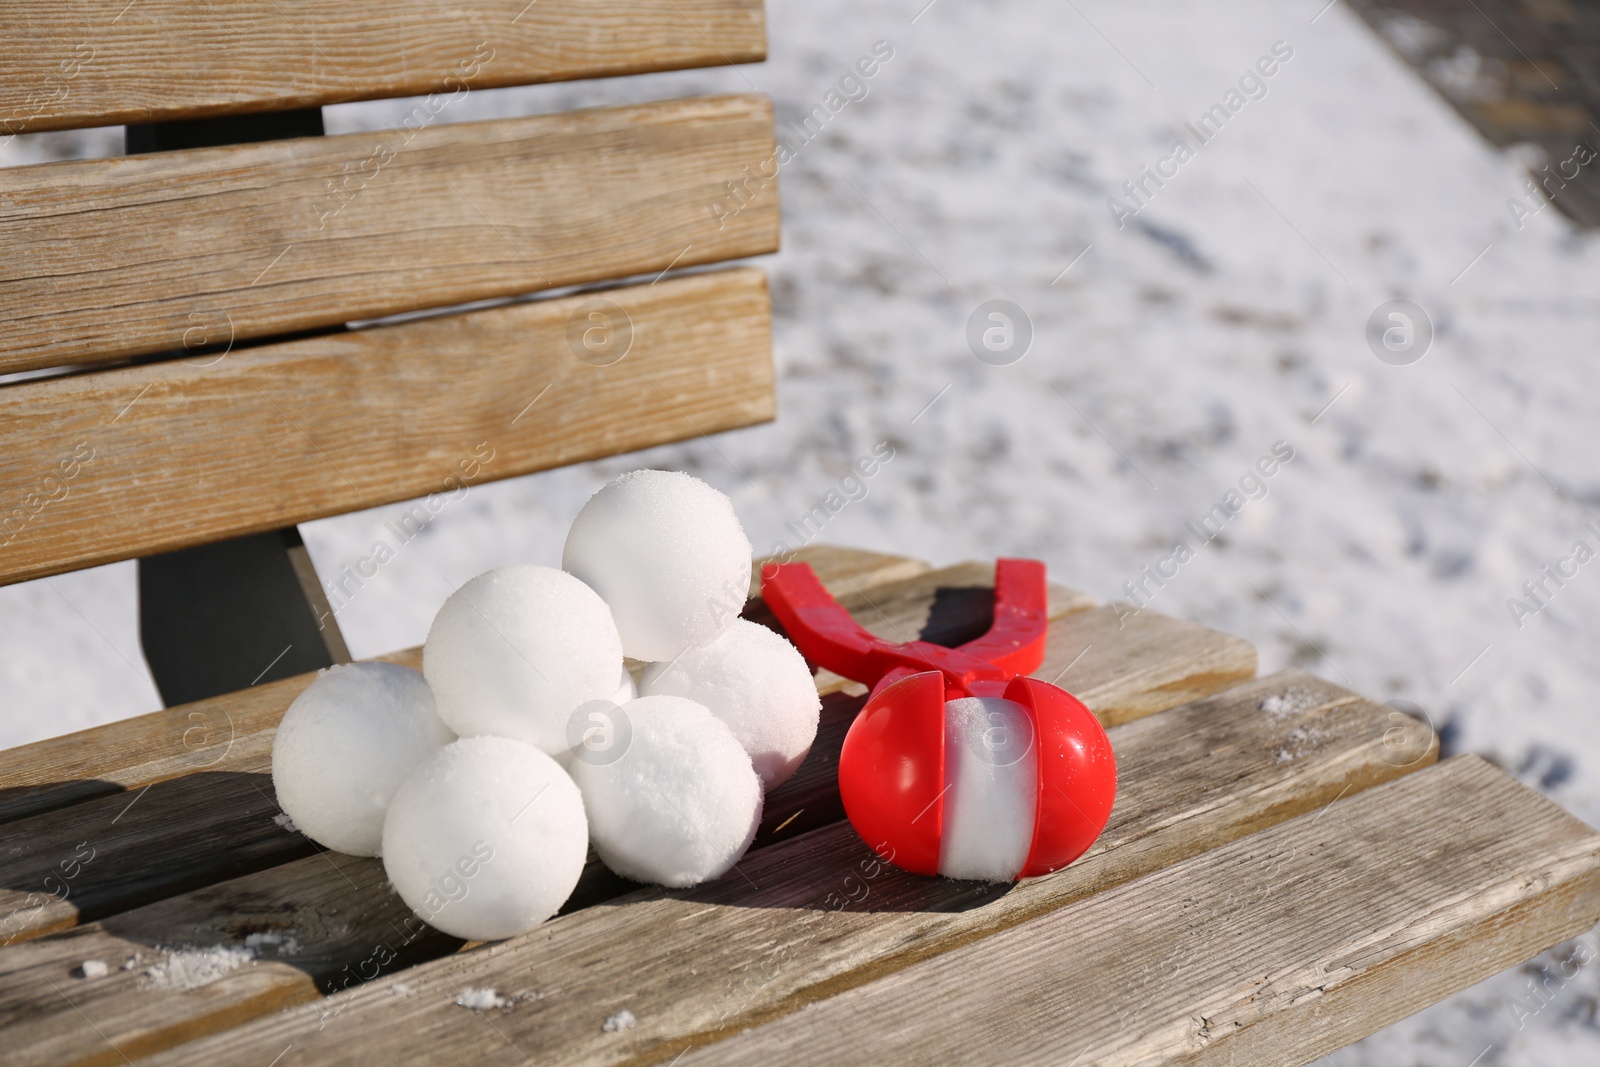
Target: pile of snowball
point(483, 780)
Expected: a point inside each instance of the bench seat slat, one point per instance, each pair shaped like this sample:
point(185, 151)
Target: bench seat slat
point(1279, 948)
point(1161, 816)
point(71, 63)
point(816, 915)
point(183, 452)
point(119, 257)
point(180, 839)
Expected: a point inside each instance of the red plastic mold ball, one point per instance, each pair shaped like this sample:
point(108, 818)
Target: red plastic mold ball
point(892, 767)
point(891, 773)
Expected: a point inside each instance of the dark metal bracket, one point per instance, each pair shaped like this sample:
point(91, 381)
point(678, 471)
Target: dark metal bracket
point(229, 615)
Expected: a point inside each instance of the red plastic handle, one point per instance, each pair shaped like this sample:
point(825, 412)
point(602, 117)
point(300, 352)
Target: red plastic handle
point(891, 767)
point(829, 637)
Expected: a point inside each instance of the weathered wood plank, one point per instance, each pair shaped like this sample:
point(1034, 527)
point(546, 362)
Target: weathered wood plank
point(112, 853)
point(175, 250)
point(1129, 667)
point(810, 917)
point(71, 63)
point(234, 732)
point(1277, 949)
point(172, 454)
point(838, 568)
point(136, 1013)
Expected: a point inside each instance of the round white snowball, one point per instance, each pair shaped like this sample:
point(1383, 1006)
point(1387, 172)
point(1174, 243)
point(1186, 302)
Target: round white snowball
point(680, 804)
point(991, 775)
point(756, 682)
point(486, 840)
point(345, 744)
point(667, 553)
point(515, 650)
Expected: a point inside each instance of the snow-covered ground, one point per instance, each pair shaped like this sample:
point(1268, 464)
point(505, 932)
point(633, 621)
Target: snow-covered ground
point(1169, 355)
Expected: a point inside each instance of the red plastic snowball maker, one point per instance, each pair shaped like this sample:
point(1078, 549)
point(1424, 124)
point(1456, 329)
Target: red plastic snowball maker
point(891, 770)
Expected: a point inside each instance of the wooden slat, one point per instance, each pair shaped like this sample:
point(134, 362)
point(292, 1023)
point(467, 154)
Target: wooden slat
point(172, 454)
point(70, 63)
point(115, 257)
point(811, 917)
point(1127, 668)
point(317, 926)
point(1277, 949)
point(179, 841)
point(841, 569)
point(112, 853)
point(234, 732)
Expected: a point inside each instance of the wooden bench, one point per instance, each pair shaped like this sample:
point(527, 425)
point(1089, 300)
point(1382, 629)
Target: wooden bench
point(1286, 868)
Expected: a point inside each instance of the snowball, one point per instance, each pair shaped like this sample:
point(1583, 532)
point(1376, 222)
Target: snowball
point(756, 682)
point(486, 840)
point(95, 968)
point(515, 650)
point(991, 774)
point(680, 804)
point(622, 1020)
point(343, 747)
point(667, 553)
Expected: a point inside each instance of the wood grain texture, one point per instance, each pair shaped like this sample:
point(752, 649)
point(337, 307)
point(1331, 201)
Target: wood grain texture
point(113, 853)
point(234, 732)
point(1126, 667)
point(1276, 949)
point(812, 917)
point(72, 63)
point(178, 453)
point(136, 1013)
point(839, 568)
point(176, 250)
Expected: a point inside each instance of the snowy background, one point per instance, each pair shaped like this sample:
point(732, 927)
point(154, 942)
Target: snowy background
point(1173, 354)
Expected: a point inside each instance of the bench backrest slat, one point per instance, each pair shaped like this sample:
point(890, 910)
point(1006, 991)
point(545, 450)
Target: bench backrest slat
point(119, 257)
point(227, 275)
point(75, 63)
point(136, 460)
